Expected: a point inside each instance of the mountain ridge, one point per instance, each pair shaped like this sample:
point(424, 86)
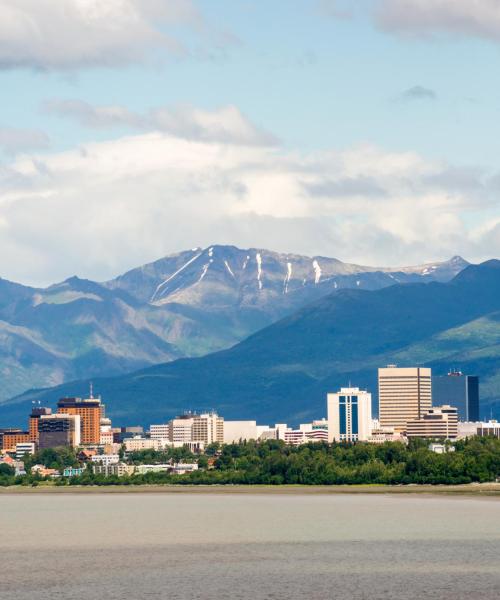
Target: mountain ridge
point(161, 311)
point(284, 371)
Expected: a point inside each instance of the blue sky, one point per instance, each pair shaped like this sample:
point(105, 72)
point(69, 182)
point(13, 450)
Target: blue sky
point(386, 111)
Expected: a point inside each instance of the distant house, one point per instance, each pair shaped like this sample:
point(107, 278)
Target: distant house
point(43, 471)
point(72, 471)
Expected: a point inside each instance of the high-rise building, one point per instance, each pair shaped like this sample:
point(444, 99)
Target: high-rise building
point(208, 428)
point(90, 411)
point(438, 422)
point(191, 427)
point(34, 418)
point(457, 389)
point(404, 394)
point(59, 430)
point(349, 415)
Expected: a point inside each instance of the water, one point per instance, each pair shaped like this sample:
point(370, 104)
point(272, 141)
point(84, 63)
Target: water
point(206, 546)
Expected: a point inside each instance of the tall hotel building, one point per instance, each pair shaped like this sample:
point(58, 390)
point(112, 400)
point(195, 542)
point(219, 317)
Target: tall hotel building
point(90, 412)
point(404, 395)
point(349, 415)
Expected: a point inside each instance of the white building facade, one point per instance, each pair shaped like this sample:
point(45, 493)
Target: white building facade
point(349, 415)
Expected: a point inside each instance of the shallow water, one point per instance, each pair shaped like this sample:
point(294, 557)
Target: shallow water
point(190, 546)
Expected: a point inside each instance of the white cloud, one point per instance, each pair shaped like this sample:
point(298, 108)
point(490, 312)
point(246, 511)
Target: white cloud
point(104, 207)
point(226, 124)
point(64, 34)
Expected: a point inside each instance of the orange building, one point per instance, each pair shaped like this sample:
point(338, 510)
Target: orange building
point(11, 438)
point(34, 420)
point(90, 411)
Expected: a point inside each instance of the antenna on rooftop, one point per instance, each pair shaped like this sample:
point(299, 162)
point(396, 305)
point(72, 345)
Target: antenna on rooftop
point(91, 391)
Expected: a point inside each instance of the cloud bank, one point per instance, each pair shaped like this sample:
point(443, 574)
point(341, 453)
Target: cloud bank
point(101, 208)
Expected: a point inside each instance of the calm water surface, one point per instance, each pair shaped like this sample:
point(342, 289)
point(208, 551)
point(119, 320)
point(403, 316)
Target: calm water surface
point(202, 546)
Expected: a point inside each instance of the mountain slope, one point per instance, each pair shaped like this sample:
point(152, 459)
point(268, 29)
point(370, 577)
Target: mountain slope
point(284, 371)
point(188, 304)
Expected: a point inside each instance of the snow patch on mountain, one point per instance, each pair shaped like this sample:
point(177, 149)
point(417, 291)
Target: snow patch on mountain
point(229, 269)
point(258, 258)
point(288, 277)
point(164, 283)
point(203, 272)
point(317, 271)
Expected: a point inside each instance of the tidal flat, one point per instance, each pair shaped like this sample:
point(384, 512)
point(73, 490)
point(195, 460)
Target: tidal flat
point(249, 545)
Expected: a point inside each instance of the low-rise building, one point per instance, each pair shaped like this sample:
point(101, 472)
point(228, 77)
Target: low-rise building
point(118, 469)
point(490, 428)
point(43, 471)
point(143, 469)
point(380, 435)
point(182, 468)
point(120, 434)
point(480, 428)
point(441, 448)
point(105, 459)
point(438, 422)
point(234, 431)
point(317, 431)
point(17, 465)
point(73, 471)
point(136, 444)
point(26, 448)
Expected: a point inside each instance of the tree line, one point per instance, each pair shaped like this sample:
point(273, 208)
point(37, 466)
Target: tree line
point(274, 463)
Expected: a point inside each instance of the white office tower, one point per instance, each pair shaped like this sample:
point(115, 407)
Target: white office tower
point(403, 395)
point(349, 415)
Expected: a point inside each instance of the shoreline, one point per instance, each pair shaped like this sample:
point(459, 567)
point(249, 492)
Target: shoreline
point(470, 489)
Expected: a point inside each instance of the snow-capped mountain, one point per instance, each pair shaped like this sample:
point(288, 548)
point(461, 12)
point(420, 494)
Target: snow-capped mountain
point(255, 277)
point(187, 304)
point(283, 372)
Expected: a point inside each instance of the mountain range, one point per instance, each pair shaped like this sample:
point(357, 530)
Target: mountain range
point(283, 372)
point(184, 305)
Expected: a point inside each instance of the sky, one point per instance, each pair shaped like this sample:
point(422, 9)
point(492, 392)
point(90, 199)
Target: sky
point(366, 130)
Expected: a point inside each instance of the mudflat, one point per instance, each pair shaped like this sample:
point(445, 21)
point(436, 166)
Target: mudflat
point(249, 546)
point(486, 489)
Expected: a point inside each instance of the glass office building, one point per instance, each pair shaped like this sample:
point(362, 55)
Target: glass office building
point(457, 389)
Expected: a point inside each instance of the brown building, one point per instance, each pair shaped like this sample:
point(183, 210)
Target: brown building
point(404, 394)
point(11, 437)
point(34, 418)
point(90, 411)
point(438, 422)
